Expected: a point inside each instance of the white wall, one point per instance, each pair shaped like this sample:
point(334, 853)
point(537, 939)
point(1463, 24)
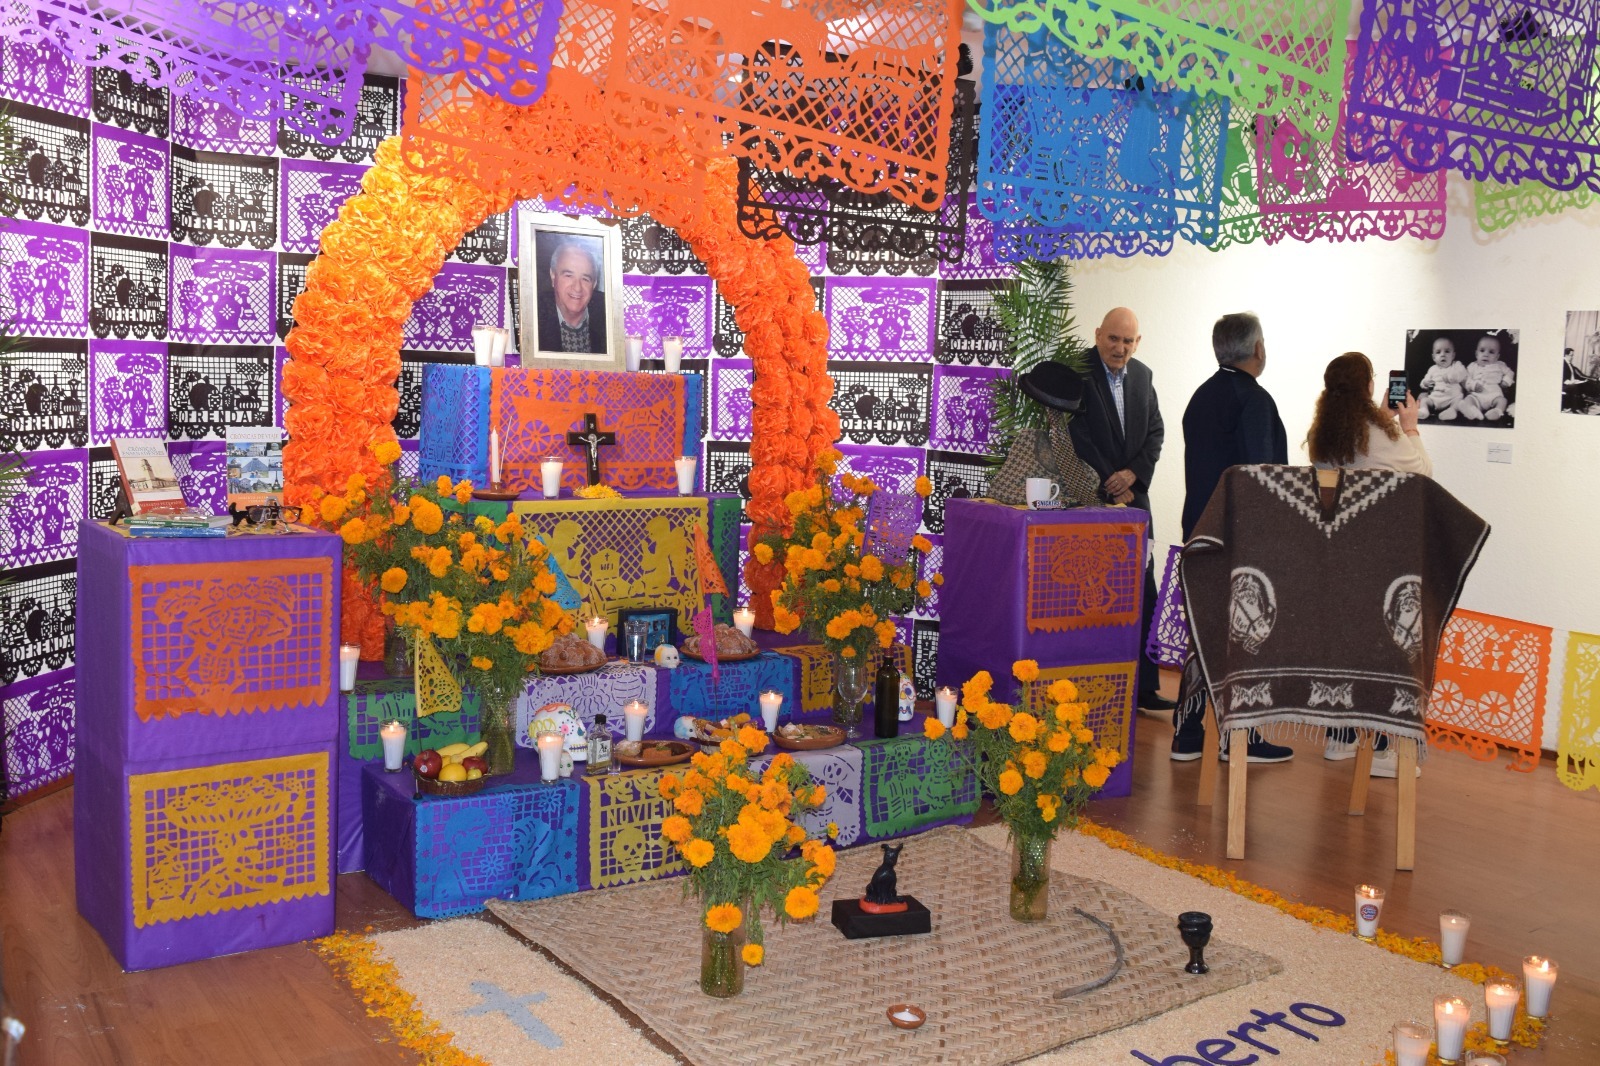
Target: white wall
point(1542, 560)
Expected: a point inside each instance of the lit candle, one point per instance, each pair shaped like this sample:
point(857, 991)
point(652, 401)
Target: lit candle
point(771, 704)
point(685, 467)
point(744, 620)
point(1450, 1017)
point(550, 471)
point(549, 755)
point(634, 713)
point(482, 345)
point(1411, 1040)
point(494, 457)
point(635, 351)
point(1539, 976)
point(596, 628)
point(394, 744)
point(1369, 904)
point(672, 353)
point(1453, 926)
point(499, 342)
point(944, 702)
point(349, 659)
point(1501, 999)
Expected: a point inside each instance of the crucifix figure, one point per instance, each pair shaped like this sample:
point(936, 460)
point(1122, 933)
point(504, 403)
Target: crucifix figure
point(591, 438)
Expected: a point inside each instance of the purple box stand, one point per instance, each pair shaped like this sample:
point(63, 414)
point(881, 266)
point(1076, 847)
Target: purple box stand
point(1087, 590)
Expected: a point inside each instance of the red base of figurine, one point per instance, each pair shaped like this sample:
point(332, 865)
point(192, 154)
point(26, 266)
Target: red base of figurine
point(882, 908)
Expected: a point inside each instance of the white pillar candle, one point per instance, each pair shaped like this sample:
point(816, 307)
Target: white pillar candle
point(634, 713)
point(349, 659)
point(1501, 999)
point(394, 744)
point(944, 704)
point(497, 352)
point(1450, 1017)
point(494, 457)
point(744, 620)
point(771, 704)
point(549, 755)
point(1411, 1041)
point(482, 344)
point(685, 467)
point(1453, 926)
point(596, 628)
point(550, 472)
point(672, 353)
point(635, 352)
point(1369, 904)
point(1539, 976)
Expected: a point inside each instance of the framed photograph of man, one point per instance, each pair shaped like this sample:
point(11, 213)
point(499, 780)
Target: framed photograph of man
point(1464, 377)
point(1580, 364)
point(570, 287)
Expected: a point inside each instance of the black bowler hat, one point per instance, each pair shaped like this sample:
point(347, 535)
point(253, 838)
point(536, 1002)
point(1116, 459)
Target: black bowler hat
point(1054, 385)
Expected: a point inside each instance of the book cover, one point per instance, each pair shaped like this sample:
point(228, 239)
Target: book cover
point(148, 478)
point(255, 465)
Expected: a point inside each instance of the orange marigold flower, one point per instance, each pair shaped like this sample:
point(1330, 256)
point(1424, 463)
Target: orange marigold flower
point(959, 731)
point(386, 452)
point(800, 903)
point(676, 828)
point(481, 663)
point(763, 553)
point(464, 493)
point(924, 487)
point(921, 543)
point(723, 918)
point(994, 715)
point(733, 749)
point(1024, 727)
point(402, 514)
point(751, 737)
point(1034, 763)
point(1095, 776)
point(871, 568)
point(394, 579)
point(924, 589)
point(932, 728)
point(794, 835)
point(847, 653)
point(824, 859)
point(979, 684)
point(698, 852)
point(1063, 691)
point(752, 954)
point(1025, 670)
point(332, 509)
point(748, 843)
point(1059, 741)
point(426, 516)
point(353, 531)
point(1107, 757)
point(444, 485)
point(689, 802)
point(1010, 781)
point(439, 562)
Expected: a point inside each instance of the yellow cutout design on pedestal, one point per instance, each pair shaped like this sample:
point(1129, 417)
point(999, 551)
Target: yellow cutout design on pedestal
point(1578, 748)
point(816, 673)
point(1106, 687)
point(228, 836)
point(623, 553)
point(438, 691)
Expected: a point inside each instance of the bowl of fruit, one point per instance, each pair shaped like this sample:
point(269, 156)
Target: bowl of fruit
point(453, 770)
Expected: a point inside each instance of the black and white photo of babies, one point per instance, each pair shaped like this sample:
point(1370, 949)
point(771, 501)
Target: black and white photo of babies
point(1464, 377)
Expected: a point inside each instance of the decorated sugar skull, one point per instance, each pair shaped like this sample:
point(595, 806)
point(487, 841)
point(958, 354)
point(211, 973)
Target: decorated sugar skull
point(560, 718)
point(667, 656)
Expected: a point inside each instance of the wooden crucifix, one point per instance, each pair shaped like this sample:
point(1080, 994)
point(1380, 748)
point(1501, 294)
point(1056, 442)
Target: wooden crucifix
point(590, 439)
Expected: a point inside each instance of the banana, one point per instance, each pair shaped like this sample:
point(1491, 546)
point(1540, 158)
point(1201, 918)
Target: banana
point(454, 751)
point(477, 749)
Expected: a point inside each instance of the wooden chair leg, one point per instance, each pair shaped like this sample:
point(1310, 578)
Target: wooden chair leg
point(1363, 777)
point(1238, 759)
point(1405, 835)
point(1208, 757)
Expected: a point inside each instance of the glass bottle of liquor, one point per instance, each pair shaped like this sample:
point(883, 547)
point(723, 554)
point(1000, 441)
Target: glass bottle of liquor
point(886, 697)
point(599, 748)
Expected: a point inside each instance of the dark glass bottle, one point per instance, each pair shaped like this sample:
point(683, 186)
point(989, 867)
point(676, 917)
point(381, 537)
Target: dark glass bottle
point(886, 697)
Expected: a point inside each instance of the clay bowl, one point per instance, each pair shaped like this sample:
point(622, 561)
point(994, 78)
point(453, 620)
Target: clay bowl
point(901, 1023)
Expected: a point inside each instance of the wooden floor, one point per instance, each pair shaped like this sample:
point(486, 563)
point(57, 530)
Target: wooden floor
point(1519, 852)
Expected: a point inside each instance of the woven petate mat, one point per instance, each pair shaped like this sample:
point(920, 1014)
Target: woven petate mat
point(986, 982)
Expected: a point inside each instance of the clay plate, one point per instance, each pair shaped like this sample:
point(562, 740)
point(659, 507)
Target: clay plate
point(901, 1023)
point(657, 753)
point(495, 494)
point(564, 671)
point(721, 658)
point(833, 739)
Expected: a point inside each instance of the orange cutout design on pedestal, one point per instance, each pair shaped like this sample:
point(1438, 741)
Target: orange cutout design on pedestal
point(1488, 688)
point(1081, 576)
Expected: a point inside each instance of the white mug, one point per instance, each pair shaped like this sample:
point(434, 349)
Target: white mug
point(1040, 490)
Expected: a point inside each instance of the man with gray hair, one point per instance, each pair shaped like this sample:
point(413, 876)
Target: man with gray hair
point(572, 312)
point(1230, 420)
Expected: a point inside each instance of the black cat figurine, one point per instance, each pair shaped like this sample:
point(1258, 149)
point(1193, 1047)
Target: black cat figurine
point(881, 889)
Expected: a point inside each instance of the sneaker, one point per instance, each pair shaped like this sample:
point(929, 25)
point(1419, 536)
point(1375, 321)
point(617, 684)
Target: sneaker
point(1261, 751)
point(1187, 748)
point(1339, 750)
point(1387, 764)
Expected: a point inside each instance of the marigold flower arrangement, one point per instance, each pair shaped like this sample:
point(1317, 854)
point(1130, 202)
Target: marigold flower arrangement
point(480, 590)
point(843, 594)
point(1041, 769)
point(738, 831)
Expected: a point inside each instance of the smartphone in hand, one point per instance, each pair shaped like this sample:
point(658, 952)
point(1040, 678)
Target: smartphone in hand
point(1397, 388)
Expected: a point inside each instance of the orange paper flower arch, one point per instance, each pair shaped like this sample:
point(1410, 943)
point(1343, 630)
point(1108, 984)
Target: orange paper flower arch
point(383, 251)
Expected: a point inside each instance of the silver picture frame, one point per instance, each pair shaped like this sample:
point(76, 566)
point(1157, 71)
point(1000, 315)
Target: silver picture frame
point(543, 238)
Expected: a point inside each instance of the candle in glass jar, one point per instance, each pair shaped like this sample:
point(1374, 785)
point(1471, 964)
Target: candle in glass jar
point(635, 352)
point(393, 735)
point(1411, 1041)
point(1539, 977)
point(499, 342)
point(744, 619)
point(596, 628)
point(944, 704)
point(550, 473)
point(634, 713)
point(771, 704)
point(1369, 904)
point(549, 755)
point(672, 353)
point(1453, 926)
point(1501, 999)
point(685, 467)
point(349, 659)
point(1450, 1017)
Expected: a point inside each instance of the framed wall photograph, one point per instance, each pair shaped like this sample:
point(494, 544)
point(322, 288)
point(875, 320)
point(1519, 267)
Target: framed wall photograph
point(1464, 377)
point(661, 626)
point(570, 289)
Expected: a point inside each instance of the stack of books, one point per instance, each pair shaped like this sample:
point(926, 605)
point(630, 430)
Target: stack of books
point(184, 523)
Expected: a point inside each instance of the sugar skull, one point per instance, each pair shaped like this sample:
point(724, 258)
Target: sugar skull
point(559, 718)
point(667, 656)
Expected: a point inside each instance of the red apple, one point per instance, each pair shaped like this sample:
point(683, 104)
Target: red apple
point(476, 762)
point(428, 763)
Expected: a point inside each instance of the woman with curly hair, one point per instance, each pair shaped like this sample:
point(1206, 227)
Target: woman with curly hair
point(1349, 430)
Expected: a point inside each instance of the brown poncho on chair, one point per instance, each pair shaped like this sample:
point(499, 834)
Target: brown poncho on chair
point(1324, 617)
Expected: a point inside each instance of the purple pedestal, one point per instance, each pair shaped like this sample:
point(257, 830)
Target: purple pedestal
point(204, 810)
point(1063, 588)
